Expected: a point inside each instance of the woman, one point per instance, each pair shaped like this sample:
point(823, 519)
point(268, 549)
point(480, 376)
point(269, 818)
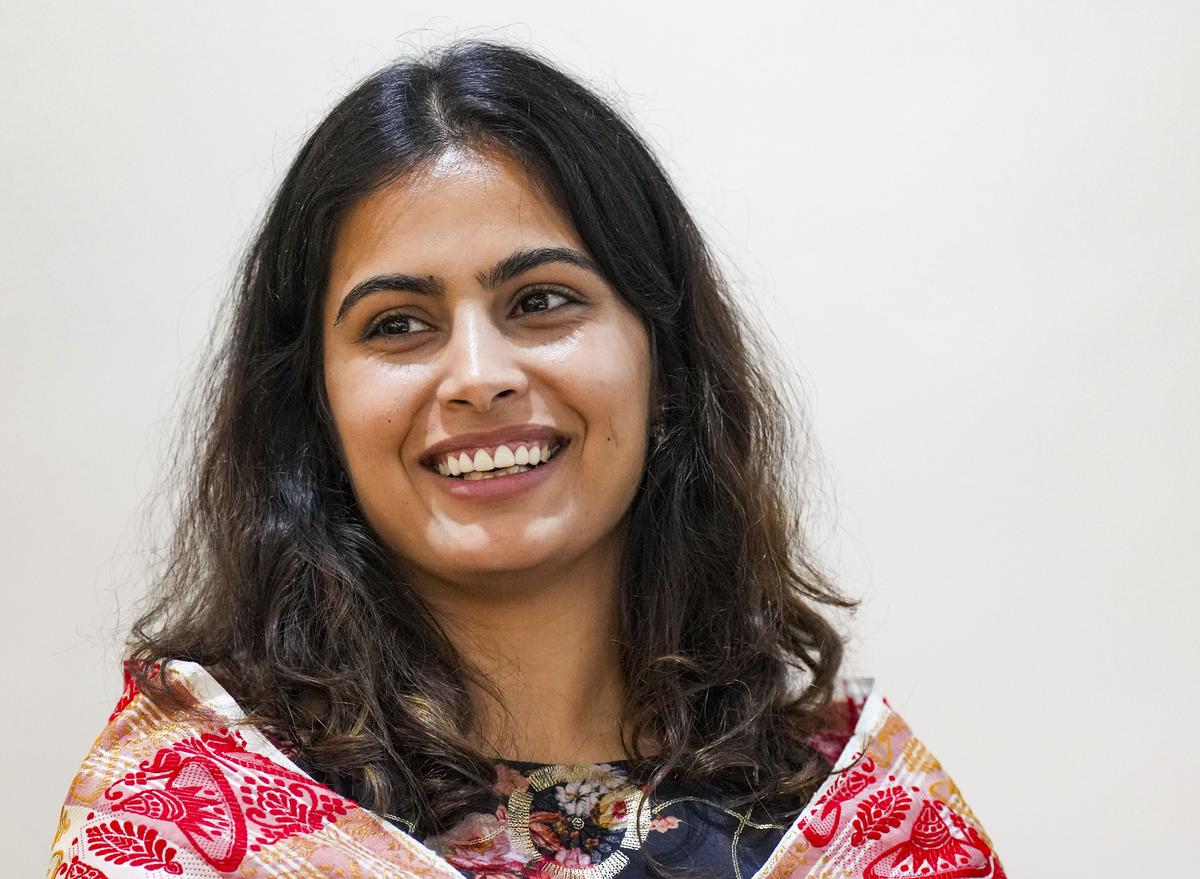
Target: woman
point(490, 564)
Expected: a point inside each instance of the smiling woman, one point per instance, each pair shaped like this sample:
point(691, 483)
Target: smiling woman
point(490, 562)
point(477, 328)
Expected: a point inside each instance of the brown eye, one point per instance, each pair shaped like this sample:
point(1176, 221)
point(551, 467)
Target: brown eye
point(396, 324)
point(543, 295)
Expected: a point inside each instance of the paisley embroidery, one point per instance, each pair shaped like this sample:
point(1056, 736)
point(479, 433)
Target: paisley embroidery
point(930, 852)
point(879, 813)
point(909, 819)
point(124, 842)
point(79, 870)
point(197, 796)
point(167, 795)
point(821, 822)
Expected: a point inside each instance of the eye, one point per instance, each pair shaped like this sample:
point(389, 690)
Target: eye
point(398, 323)
point(392, 324)
point(542, 295)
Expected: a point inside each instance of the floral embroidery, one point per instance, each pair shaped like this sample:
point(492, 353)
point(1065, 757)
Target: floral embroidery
point(880, 813)
point(578, 798)
point(577, 821)
point(478, 845)
point(163, 794)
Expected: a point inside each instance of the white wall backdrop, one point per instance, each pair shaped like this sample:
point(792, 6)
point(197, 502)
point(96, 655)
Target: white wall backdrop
point(973, 227)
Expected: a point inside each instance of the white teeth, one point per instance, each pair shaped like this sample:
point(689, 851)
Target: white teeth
point(502, 462)
point(504, 458)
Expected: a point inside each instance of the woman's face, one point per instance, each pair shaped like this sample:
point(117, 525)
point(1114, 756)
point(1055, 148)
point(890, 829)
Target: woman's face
point(461, 301)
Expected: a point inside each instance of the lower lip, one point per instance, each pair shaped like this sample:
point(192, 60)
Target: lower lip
point(500, 487)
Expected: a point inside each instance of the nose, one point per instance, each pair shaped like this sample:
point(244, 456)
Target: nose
point(481, 365)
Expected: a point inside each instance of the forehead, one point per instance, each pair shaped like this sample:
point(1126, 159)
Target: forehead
point(463, 208)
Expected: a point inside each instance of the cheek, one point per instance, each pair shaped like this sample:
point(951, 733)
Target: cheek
point(611, 382)
point(369, 412)
point(623, 369)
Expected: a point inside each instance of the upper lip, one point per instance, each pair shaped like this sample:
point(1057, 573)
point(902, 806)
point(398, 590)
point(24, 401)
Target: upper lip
point(488, 439)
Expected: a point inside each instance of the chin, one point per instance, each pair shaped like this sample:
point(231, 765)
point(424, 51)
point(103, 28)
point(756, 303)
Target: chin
point(514, 558)
point(499, 564)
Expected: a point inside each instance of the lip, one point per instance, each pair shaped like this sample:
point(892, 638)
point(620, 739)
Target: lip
point(500, 487)
point(513, 434)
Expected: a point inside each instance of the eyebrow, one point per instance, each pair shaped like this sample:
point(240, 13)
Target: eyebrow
point(516, 263)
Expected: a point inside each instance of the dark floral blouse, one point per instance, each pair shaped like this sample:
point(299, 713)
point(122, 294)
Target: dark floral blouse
point(557, 820)
point(583, 821)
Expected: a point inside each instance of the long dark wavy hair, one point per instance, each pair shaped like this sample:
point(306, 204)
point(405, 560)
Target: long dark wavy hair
point(276, 583)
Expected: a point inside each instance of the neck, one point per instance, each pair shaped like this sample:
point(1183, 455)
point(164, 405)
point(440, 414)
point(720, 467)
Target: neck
point(546, 681)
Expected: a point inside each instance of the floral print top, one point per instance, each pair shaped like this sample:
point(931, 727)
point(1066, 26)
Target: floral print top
point(559, 820)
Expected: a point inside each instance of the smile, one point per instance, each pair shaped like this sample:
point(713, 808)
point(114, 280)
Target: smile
point(492, 474)
point(498, 483)
point(503, 461)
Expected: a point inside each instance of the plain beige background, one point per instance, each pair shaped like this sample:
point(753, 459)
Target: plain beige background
point(973, 227)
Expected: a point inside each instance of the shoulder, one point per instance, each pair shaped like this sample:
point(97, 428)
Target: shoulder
point(850, 694)
point(193, 790)
point(888, 809)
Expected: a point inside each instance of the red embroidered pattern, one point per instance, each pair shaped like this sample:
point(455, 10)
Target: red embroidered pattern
point(124, 842)
point(218, 793)
point(79, 870)
point(880, 813)
point(210, 801)
point(931, 852)
point(822, 821)
point(127, 695)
